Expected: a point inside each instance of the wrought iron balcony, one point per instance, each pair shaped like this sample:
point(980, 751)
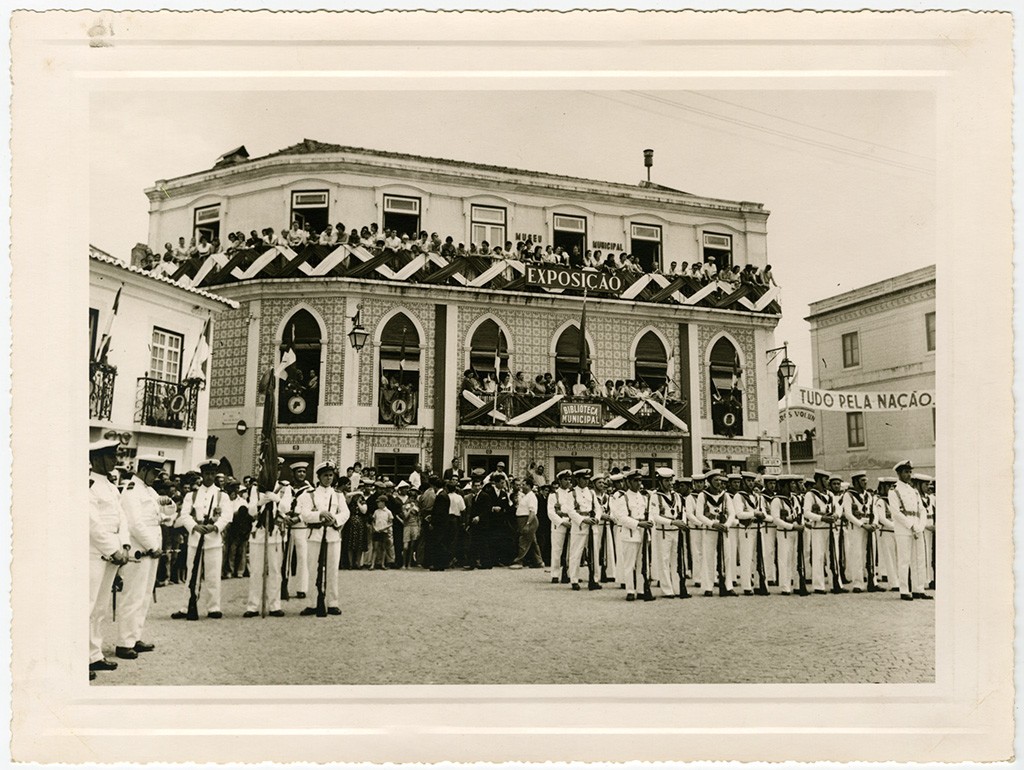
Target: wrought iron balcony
point(161, 404)
point(101, 390)
point(513, 410)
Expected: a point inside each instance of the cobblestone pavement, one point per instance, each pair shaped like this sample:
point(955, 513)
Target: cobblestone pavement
point(515, 627)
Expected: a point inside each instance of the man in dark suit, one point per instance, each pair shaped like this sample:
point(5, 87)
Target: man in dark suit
point(491, 510)
point(438, 527)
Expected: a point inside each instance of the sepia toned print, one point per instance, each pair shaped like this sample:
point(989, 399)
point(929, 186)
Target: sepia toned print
point(510, 395)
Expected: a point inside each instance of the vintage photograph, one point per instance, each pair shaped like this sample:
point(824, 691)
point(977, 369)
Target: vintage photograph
point(533, 348)
point(400, 383)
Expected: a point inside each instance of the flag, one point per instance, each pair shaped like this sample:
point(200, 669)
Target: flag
point(670, 368)
point(401, 360)
point(103, 348)
point(583, 368)
point(736, 373)
point(287, 359)
point(197, 369)
point(267, 472)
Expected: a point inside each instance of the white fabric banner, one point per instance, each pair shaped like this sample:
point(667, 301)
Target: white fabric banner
point(854, 401)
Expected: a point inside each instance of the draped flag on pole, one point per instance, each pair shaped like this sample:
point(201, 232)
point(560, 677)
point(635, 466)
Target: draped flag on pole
point(267, 472)
point(583, 368)
point(287, 359)
point(197, 368)
point(103, 347)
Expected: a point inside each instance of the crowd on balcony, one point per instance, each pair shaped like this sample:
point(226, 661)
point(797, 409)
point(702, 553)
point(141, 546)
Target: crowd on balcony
point(546, 385)
point(376, 241)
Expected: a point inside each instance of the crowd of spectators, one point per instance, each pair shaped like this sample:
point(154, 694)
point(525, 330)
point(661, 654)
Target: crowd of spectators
point(376, 241)
point(548, 385)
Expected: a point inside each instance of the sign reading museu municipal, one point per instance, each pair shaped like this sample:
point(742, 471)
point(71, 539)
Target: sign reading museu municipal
point(593, 281)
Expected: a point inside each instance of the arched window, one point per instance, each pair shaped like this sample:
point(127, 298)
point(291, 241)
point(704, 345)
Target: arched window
point(399, 371)
point(567, 357)
point(299, 394)
point(651, 362)
point(726, 390)
point(488, 340)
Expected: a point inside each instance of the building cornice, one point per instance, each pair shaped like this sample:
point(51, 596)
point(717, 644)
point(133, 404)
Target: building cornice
point(482, 178)
point(297, 288)
point(872, 306)
point(117, 270)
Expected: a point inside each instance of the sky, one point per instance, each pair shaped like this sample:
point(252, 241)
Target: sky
point(848, 176)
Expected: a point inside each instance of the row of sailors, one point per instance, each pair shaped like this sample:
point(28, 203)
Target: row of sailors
point(722, 529)
point(126, 539)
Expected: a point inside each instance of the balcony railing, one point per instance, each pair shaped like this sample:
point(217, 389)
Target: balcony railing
point(101, 390)
point(513, 410)
point(161, 404)
point(800, 450)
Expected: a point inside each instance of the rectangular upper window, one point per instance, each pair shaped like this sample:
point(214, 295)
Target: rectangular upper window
point(717, 247)
point(165, 355)
point(399, 204)
point(645, 232)
point(851, 350)
point(855, 429)
point(488, 224)
point(929, 330)
point(206, 223)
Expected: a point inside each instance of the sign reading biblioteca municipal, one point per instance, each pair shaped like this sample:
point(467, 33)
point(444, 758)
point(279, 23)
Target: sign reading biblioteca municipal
point(594, 281)
point(851, 401)
point(579, 415)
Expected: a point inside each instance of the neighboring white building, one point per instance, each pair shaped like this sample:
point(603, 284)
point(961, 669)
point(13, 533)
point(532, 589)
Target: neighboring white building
point(880, 337)
point(144, 395)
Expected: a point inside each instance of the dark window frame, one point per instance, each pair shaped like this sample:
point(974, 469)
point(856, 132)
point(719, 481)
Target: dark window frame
point(851, 352)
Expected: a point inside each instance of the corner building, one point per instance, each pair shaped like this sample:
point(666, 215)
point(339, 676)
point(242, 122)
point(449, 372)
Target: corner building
point(399, 400)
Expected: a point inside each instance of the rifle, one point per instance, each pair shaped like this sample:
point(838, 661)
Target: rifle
point(267, 522)
point(565, 558)
point(720, 553)
point(800, 556)
point(644, 562)
point(871, 561)
point(321, 576)
point(194, 583)
point(601, 554)
point(842, 550)
point(590, 558)
point(832, 561)
point(762, 584)
point(681, 565)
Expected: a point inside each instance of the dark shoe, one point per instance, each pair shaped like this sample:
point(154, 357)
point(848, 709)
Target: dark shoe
point(276, 613)
point(730, 593)
point(840, 591)
point(469, 567)
point(907, 597)
point(650, 598)
point(141, 646)
point(857, 591)
point(630, 597)
point(179, 616)
point(931, 586)
point(334, 610)
point(622, 586)
point(773, 583)
point(787, 593)
point(245, 574)
point(307, 611)
point(565, 580)
point(300, 595)
point(894, 589)
point(249, 614)
point(924, 596)
point(709, 593)
point(216, 615)
point(595, 587)
point(125, 653)
point(748, 593)
point(575, 586)
point(818, 591)
point(102, 665)
point(553, 580)
point(92, 675)
point(876, 589)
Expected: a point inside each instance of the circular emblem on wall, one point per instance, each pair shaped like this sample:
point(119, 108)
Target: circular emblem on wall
point(729, 419)
point(296, 405)
point(177, 404)
point(399, 406)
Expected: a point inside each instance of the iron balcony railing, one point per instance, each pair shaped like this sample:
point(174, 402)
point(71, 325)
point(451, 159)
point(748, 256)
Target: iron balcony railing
point(162, 404)
point(101, 390)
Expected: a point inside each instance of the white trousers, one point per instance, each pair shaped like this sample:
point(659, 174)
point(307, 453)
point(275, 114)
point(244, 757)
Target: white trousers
point(558, 535)
point(577, 542)
point(929, 548)
point(887, 557)
point(331, 575)
point(696, 544)
point(786, 541)
point(709, 564)
point(746, 538)
point(255, 599)
point(768, 543)
point(856, 557)
point(819, 557)
point(101, 577)
point(910, 562)
point(136, 597)
point(631, 565)
point(606, 533)
point(209, 584)
point(665, 549)
point(620, 570)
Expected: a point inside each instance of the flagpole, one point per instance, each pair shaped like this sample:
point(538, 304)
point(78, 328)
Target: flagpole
point(202, 336)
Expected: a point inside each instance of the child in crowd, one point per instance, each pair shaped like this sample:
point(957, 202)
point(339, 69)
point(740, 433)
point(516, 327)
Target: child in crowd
point(382, 521)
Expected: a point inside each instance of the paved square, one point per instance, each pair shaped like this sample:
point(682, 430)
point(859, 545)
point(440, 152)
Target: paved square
point(515, 627)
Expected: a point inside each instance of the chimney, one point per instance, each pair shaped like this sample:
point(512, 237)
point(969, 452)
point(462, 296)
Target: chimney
point(648, 162)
